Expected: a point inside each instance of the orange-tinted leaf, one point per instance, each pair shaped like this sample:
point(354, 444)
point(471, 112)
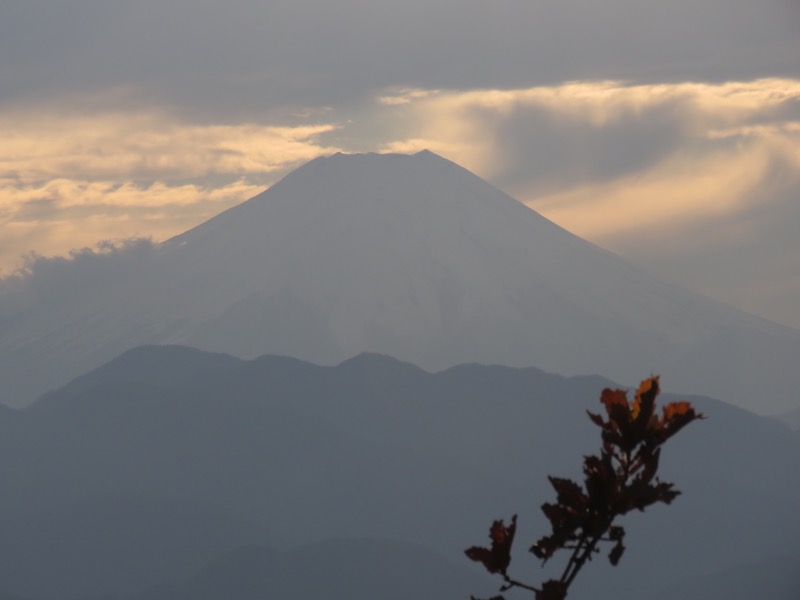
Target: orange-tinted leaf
point(618, 431)
point(614, 400)
point(649, 388)
point(673, 409)
point(645, 400)
point(676, 415)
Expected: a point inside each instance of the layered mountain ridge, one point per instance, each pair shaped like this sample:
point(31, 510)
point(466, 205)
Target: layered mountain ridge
point(410, 256)
point(154, 476)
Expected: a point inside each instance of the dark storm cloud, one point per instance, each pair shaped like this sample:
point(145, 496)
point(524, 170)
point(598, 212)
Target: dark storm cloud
point(243, 57)
point(542, 152)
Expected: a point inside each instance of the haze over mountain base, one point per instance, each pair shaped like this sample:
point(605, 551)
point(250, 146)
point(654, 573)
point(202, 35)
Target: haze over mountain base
point(410, 256)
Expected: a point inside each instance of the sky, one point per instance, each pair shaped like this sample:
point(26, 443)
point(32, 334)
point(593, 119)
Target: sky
point(668, 133)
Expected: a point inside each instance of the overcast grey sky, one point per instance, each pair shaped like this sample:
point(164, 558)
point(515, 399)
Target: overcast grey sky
point(666, 132)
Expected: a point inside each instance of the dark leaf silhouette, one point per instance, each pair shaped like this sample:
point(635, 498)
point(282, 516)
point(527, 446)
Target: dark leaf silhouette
point(623, 477)
point(552, 590)
point(496, 558)
point(615, 534)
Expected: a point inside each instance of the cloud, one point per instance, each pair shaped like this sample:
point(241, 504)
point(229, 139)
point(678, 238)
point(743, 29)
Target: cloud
point(687, 188)
point(248, 59)
point(71, 176)
point(43, 283)
point(551, 144)
point(403, 96)
point(146, 145)
point(62, 215)
point(39, 202)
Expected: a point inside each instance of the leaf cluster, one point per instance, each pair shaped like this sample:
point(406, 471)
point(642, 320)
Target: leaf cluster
point(622, 478)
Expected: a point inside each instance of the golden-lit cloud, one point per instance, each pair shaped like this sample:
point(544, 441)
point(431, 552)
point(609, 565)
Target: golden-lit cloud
point(69, 179)
point(727, 137)
point(146, 145)
point(64, 215)
point(599, 103)
point(683, 188)
point(402, 96)
point(70, 193)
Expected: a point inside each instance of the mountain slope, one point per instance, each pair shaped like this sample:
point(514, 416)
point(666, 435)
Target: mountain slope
point(109, 543)
point(410, 256)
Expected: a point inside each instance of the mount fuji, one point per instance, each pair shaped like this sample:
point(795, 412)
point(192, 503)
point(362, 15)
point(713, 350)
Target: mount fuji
point(410, 256)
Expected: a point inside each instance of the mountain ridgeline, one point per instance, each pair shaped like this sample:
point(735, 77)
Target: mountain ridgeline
point(409, 256)
point(174, 473)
